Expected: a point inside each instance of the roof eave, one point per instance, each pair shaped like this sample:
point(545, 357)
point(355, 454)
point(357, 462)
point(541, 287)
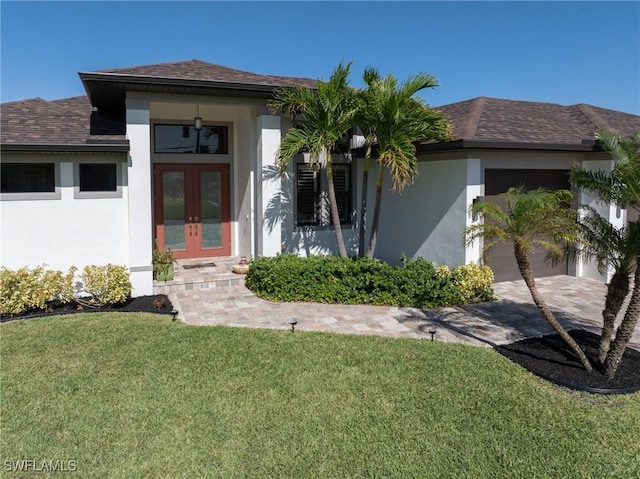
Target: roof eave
point(179, 82)
point(92, 81)
point(584, 146)
point(110, 148)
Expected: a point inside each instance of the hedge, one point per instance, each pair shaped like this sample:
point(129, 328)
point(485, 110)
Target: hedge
point(39, 289)
point(330, 279)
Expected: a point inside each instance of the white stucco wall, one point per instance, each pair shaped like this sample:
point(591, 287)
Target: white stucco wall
point(68, 231)
point(612, 213)
point(428, 218)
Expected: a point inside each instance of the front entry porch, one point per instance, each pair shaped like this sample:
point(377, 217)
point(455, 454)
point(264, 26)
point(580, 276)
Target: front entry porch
point(201, 274)
point(192, 209)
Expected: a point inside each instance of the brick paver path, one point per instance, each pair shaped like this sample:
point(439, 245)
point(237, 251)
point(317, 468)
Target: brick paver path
point(576, 301)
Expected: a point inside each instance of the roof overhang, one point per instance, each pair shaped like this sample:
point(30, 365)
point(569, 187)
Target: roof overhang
point(101, 148)
point(584, 146)
point(107, 91)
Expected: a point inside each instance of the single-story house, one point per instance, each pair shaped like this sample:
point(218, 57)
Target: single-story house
point(183, 155)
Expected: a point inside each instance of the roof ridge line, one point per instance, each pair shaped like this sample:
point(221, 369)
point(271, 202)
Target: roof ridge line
point(591, 115)
point(473, 119)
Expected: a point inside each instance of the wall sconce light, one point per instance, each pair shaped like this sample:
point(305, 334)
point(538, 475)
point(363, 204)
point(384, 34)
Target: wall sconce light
point(197, 121)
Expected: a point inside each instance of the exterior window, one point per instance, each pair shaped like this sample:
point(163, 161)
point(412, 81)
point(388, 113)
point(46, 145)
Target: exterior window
point(308, 191)
point(28, 178)
point(342, 186)
point(98, 177)
point(186, 139)
point(312, 199)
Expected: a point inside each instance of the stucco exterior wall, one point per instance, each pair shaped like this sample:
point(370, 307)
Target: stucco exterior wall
point(67, 231)
point(427, 219)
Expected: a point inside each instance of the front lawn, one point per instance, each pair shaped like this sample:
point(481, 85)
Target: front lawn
point(136, 395)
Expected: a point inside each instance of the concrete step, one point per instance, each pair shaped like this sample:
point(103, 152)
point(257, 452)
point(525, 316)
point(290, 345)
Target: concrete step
point(201, 273)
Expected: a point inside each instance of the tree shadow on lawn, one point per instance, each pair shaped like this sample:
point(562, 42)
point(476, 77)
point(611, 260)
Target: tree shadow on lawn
point(519, 332)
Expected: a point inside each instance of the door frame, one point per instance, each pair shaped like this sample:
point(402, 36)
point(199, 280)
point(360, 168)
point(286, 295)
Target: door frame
point(192, 195)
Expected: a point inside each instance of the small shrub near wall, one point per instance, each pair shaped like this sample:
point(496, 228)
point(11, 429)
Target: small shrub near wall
point(34, 289)
point(39, 289)
point(330, 279)
point(106, 284)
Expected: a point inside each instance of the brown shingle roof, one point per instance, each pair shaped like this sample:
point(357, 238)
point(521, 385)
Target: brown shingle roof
point(203, 71)
point(512, 121)
point(62, 122)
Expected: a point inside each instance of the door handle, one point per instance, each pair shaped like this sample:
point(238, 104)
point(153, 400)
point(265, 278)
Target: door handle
point(196, 225)
point(190, 221)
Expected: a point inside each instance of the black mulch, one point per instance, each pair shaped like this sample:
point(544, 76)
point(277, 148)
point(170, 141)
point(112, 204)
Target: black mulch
point(158, 304)
point(550, 358)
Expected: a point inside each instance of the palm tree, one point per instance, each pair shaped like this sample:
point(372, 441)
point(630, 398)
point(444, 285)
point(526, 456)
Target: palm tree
point(392, 118)
point(531, 219)
point(619, 186)
point(611, 248)
point(328, 114)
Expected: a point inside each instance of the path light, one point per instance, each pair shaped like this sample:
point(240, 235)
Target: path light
point(432, 332)
point(174, 314)
point(293, 323)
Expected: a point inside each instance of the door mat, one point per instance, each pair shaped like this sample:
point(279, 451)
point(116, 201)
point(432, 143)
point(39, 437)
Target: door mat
point(198, 265)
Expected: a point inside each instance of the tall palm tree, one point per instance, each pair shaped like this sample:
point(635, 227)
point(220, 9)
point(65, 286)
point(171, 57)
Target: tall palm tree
point(393, 118)
point(528, 220)
point(619, 186)
point(328, 113)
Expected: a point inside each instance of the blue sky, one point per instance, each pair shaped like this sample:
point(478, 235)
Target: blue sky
point(560, 52)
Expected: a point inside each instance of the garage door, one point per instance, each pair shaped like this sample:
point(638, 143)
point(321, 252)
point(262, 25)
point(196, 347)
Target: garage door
point(501, 258)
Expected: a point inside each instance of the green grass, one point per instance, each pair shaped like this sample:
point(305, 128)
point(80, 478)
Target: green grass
point(134, 395)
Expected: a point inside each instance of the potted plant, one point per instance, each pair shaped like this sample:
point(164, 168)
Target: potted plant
point(162, 264)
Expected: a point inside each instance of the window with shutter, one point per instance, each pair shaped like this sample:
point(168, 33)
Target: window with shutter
point(341, 185)
point(307, 197)
point(312, 206)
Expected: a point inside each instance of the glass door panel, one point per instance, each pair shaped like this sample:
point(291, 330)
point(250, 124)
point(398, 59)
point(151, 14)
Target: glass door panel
point(173, 210)
point(211, 209)
point(192, 210)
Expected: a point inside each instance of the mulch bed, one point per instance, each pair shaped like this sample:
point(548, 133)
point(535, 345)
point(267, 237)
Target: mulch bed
point(550, 358)
point(158, 304)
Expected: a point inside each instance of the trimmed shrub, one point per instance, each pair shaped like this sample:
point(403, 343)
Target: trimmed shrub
point(39, 289)
point(107, 285)
point(34, 289)
point(330, 279)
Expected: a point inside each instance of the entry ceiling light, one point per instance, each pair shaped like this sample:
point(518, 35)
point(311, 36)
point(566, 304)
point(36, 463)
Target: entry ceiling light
point(197, 121)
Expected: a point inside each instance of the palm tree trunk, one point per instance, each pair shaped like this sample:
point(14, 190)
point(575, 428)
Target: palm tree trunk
point(527, 274)
point(626, 328)
point(363, 202)
point(335, 216)
point(617, 291)
point(376, 214)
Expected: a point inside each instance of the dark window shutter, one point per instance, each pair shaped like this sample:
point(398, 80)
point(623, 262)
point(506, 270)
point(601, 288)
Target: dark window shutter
point(342, 186)
point(307, 195)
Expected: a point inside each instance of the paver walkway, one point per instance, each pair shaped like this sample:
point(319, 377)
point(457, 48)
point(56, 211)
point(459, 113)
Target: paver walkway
point(576, 301)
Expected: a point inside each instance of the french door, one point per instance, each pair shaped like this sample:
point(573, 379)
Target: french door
point(191, 209)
